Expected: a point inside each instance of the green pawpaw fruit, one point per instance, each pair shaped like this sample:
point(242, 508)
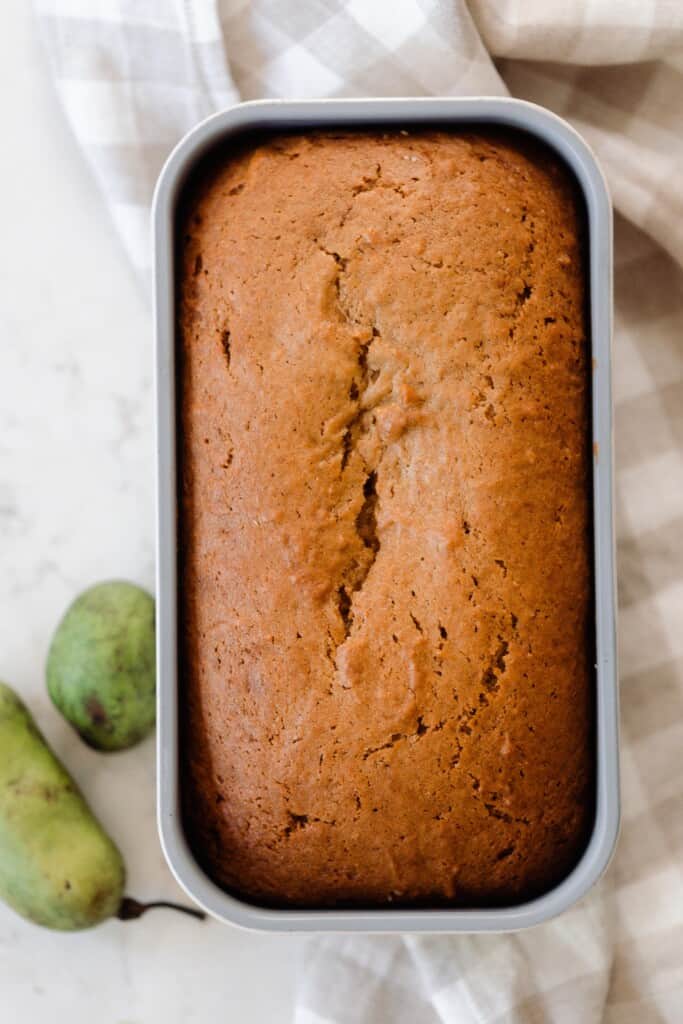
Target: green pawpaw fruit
point(101, 667)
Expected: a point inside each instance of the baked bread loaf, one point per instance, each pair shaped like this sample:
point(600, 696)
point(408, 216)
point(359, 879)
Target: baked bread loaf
point(385, 578)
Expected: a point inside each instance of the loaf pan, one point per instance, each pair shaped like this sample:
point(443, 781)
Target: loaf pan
point(457, 113)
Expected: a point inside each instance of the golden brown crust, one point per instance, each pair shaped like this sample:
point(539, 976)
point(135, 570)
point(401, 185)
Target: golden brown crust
point(385, 571)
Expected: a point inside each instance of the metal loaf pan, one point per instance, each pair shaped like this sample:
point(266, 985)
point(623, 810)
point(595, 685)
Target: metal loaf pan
point(299, 116)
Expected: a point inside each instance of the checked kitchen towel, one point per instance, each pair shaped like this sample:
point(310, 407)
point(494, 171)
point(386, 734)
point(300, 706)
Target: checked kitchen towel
point(134, 75)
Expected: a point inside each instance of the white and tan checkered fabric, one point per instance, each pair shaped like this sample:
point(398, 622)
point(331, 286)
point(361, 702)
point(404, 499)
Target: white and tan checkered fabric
point(133, 75)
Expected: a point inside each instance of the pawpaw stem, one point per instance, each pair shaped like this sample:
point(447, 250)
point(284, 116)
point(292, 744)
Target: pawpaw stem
point(131, 909)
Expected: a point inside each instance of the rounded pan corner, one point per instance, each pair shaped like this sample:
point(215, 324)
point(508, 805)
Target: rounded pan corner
point(292, 115)
point(190, 876)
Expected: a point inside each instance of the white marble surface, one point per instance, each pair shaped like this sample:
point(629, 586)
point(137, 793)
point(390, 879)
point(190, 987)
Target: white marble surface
point(76, 506)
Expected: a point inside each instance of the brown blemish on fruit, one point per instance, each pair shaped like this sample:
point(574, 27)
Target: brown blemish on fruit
point(95, 711)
